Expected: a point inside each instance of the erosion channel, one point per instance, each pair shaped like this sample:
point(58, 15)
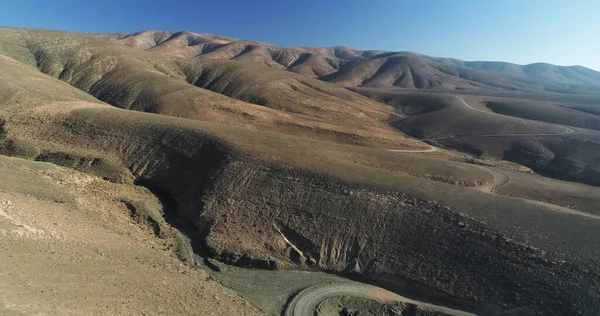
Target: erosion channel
point(297, 292)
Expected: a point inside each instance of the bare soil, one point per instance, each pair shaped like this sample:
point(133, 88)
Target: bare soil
point(274, 170)
point(353, 306)
point(69, 246)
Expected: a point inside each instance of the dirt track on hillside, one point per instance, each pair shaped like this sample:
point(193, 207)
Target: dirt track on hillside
point(500, 178)
point(307, 301)
point(568, 129)
point(428, 150)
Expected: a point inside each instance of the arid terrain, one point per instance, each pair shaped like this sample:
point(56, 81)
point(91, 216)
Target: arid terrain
point(194, 174)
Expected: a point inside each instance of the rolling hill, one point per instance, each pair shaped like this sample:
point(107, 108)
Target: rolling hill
point(247, 95)
point(197, 148)
point(552, 138)
point(372, 68)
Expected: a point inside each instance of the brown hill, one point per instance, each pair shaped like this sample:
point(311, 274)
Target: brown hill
point(59, 259)
point(558, 139)
point(246, 191)
point(138, 80)
point(239, 192)
point(573, 75)
point(315, 62)
point(369, 68)
point(408, 70)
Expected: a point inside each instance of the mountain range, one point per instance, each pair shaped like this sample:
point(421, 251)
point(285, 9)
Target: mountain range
point(170, 173)
point(373, 68)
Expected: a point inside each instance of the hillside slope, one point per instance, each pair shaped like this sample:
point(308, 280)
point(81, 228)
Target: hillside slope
point(368, 68)
point(246, 193)
point(72, 245)
point(268, 199)
point(573, 75)
point(552, 138)
point(247, 96)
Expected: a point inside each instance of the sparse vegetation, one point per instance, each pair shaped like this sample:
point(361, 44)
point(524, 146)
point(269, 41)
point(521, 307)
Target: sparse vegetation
point(258, 166)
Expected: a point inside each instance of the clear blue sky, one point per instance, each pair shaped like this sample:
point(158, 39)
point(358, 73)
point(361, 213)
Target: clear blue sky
point(564, 32)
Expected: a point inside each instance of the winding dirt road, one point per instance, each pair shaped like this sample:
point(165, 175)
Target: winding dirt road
point(500, 178)
point(567, 129)
point(428, 150)
point(306, 302)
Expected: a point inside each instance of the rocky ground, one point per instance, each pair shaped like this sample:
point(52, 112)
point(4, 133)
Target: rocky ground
point(276, 185)
point(74, 244)
point(70, 246)
point(352, 306)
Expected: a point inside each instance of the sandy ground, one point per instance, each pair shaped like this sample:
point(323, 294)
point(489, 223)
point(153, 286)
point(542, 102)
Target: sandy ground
point(82, 253)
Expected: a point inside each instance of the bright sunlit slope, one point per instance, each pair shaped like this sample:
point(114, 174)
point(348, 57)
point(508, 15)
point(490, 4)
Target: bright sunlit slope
point(380, 69)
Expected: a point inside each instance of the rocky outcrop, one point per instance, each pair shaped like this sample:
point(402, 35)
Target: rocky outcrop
point(294, 217)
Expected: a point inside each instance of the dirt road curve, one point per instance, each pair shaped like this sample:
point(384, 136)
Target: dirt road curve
point(306, 302)
point(429, 150)
point(568, 129)
point(501, 179)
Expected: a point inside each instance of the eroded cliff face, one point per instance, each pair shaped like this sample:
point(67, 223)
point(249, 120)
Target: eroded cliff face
point(291, 217)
